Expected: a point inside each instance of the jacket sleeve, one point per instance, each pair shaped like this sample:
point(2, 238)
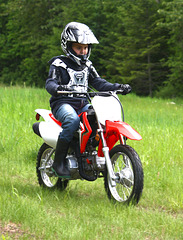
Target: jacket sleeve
point(52, 81)
point(101, 84)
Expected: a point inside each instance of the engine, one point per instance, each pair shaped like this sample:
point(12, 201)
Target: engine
point(92, 164)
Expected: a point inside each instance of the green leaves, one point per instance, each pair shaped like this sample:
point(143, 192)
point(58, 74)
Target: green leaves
point(140, 41)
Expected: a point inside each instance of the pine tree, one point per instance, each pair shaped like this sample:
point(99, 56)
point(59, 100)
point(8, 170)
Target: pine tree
point(138, 50)
point(172, 19)
point(25, 42)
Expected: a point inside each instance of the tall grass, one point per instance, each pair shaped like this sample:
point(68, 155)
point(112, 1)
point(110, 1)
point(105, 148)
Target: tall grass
point(161, 125)
point(83, 210)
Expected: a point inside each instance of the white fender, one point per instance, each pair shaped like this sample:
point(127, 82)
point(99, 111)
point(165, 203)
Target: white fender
point(45, 114)
point(49, 130)
point(49, 133)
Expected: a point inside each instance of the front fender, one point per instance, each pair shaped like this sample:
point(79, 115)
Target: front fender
point(118, 127)
point(113, 131)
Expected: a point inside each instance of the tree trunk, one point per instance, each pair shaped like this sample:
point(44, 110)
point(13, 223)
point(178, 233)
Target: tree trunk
point(149, 74)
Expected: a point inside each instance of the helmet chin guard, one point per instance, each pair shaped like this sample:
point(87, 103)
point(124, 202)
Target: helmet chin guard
point(80, 33)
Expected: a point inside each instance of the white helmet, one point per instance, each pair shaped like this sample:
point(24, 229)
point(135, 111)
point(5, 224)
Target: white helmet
point(79, 33)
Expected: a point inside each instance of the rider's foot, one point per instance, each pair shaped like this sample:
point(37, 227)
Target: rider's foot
point(60, 173)
point(59, 166)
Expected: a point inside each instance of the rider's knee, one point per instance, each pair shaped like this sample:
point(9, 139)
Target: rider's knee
point(73, 120)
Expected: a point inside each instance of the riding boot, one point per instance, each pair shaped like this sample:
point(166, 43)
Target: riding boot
point(59, 166)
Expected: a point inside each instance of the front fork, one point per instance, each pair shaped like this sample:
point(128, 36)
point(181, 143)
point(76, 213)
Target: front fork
point(112, 177)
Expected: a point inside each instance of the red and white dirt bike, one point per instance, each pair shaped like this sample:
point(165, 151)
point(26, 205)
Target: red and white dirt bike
point(98, 149)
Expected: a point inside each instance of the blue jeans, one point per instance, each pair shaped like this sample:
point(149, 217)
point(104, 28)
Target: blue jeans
point(69, 119)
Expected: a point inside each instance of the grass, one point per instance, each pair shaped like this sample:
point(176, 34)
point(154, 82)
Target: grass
point(83, 210)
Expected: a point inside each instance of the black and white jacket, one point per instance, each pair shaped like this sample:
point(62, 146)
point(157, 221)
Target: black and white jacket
point(68, 74)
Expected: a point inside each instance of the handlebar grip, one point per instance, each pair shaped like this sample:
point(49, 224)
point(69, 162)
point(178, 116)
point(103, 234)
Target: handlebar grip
point(122, 92)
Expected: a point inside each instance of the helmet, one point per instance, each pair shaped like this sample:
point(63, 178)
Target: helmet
point(79, 33)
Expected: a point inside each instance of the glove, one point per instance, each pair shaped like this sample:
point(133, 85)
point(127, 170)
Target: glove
point(59, 88)
point(62, 88)
point(126, 88)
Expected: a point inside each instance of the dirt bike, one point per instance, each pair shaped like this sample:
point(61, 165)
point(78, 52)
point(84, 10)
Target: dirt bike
point(98, 148)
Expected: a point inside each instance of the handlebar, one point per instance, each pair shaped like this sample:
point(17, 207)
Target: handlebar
point(91, 94)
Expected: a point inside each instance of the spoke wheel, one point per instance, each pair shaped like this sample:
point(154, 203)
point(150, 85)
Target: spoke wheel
point(46, 177)
point(128, 168)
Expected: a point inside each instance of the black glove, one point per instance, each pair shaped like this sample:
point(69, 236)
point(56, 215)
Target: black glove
point(126, 88)
point(59, 88)
point(62, 88)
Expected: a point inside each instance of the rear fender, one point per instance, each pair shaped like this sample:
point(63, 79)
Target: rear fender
point(49, 133)
point(50, 129)
point(45, 114)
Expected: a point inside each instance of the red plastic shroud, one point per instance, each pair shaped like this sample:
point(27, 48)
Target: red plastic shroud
point(113, 132)
point(55, 120)
point(85, 130)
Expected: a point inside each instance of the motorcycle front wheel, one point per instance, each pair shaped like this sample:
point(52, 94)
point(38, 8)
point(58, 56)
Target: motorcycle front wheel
point(128, 169)
point(45, 175)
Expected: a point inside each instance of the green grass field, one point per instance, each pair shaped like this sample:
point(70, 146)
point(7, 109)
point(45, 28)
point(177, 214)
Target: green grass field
point(83, 211)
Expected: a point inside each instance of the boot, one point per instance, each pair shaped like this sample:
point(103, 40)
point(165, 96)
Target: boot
point(59, 165)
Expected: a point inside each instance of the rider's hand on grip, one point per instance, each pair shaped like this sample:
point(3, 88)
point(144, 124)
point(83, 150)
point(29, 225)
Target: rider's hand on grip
point(125, 88)
point(62, 88)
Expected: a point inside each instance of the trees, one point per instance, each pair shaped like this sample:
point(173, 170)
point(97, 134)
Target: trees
point(172, 19)
point(140, 41)
point(138, 50)
point(24, 41)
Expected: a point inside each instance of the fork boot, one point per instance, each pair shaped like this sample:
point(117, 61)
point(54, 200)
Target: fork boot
point(59, 166)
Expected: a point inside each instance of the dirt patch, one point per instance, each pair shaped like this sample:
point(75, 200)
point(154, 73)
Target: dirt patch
point(14, 231)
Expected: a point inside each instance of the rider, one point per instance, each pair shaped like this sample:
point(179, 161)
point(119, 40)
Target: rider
point(73, 72)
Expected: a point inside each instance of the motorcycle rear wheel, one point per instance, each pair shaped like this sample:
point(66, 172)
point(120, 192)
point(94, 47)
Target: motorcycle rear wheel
point(127, 166)
point(45, 175)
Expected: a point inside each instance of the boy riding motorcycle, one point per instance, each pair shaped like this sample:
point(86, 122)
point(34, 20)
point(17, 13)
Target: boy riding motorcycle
point(73, 72)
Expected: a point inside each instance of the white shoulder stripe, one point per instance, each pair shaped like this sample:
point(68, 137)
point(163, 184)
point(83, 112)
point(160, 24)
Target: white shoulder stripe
point(88, 63)
point(59, 63)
